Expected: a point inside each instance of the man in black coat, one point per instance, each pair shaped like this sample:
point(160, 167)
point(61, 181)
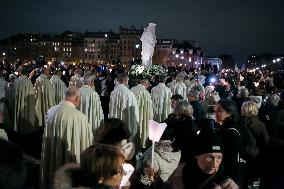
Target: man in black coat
point(193, 98)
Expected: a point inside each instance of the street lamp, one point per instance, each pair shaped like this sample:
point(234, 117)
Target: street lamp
point(136, 50)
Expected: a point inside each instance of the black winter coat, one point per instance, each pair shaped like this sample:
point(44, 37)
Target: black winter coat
point(257, 128)
point(230, 135)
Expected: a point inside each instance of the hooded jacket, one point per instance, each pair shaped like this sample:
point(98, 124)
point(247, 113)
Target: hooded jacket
point(165, 161)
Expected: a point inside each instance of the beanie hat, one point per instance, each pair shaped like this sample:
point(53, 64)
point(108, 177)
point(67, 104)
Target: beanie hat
point(208, 142)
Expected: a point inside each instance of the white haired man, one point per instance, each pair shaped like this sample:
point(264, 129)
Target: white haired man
point(161, 98)
point(58, 85)
point(123, 105)
point(44, 93)
point(66, 135)
point(145, 109)
point(90, 103)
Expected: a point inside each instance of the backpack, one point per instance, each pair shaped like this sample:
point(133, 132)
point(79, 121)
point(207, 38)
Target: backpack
point(98, 86)
point(109, 84)
point(249, 149)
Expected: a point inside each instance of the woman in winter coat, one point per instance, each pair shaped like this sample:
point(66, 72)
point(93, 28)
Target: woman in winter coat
point(258, 134)
point(249, 119)
point(101, 167)
point(227, 128)
point(182, 129)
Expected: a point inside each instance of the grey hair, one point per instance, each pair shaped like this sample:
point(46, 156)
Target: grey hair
point(144, 81)
point(183, 107)
point(243, 92)
point(122, 77)
point(193, 93)
point(88, 79)
point(273, 100)
point(71, 91)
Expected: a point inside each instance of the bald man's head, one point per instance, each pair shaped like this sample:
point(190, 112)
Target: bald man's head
point(72, 94)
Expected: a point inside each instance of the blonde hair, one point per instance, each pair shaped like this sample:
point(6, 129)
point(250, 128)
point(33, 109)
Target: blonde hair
point(249, 108)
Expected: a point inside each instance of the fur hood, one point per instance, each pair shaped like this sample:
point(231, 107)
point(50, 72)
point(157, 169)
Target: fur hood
point(63, 177)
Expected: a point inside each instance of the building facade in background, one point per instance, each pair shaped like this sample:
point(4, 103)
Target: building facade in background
point(98, 48)
point(130, 44)
point(163, 51)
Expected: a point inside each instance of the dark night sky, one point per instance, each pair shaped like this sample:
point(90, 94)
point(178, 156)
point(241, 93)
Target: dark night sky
point(236, 27)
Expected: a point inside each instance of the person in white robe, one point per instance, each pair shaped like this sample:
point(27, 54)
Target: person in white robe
point(44, 93)
point(179, 87)
point(145, 109)
point(161, 98)
point(9, 104)
point(77, 79)
point(3, 134)
point(2, 91)
point(66, 135)
point(172, 83)
point(90, 103)
point(58, 86)
point(123, 105)
point(24, 98)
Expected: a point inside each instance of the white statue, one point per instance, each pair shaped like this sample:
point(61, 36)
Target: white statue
point(148, 39)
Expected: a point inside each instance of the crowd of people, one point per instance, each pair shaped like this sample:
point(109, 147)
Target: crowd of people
point(71, 126)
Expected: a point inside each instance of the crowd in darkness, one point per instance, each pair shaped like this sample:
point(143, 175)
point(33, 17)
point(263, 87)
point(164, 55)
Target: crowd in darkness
point(225, 131)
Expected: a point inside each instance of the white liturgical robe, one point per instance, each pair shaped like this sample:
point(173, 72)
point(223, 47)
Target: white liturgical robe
point(24, 118)
point(59, 88)
point(180, 88)
point(145, 111)
point(66, 135)
point(161, 98)
point(44, 93)
point(123, 105)
point(2, 93)
point(172, 84)
point(9, 105)
point(76, 80)
point(91, 106)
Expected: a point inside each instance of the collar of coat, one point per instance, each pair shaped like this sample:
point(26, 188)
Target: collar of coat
point(67, 103)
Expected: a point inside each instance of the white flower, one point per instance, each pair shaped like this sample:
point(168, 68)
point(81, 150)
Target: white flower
point(149, 71)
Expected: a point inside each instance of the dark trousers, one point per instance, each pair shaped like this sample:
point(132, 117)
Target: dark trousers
point(105, 105)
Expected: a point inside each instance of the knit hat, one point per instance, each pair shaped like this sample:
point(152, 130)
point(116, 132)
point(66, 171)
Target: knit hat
point(208, 142)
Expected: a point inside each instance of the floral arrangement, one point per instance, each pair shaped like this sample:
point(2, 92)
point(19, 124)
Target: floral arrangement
point(137, 70)
point(146, 72)
point(155, 70)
